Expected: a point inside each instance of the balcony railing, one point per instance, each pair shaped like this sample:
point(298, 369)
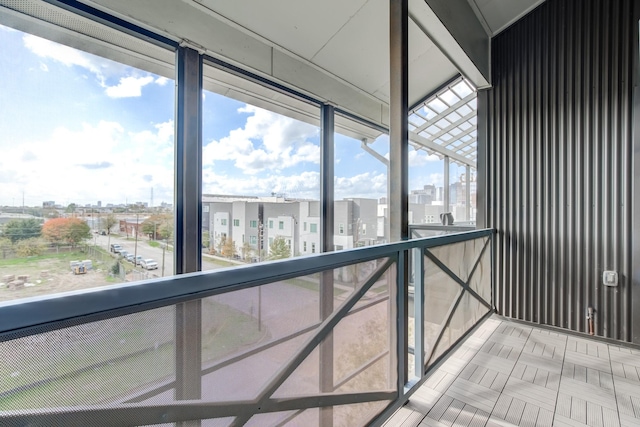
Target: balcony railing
point(319, 340)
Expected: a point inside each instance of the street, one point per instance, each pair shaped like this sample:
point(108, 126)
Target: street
point(146, 251)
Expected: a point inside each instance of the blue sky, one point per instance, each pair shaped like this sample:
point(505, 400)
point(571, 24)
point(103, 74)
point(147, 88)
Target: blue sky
point(79, 128)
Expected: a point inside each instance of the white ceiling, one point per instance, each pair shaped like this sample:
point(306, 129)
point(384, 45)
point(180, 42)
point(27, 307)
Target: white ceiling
point(497, 15)
point(334, 50)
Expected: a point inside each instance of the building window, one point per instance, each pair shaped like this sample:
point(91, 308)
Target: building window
point(341, 228)
point(313, 248)
point(304, 226)
point(223, 221)
point(281, 225)
point(236, 223)
point(304, 246)
point(270, 224)
point(253, 224)
point(253, 240)
point(364, 229)
point(205, 208)
point(270, 241)
point(289, 244)
point(313, 228)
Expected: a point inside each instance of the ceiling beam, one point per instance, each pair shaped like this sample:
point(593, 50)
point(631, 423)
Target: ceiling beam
point(456, 30)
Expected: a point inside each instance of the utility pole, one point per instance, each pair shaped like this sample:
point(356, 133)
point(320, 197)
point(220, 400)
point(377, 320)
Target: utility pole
point(135, 252)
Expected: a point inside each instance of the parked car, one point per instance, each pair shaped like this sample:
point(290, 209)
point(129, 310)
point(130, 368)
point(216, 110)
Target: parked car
point(124, 253)
point(149, 264)
point(130, 257)
point(138, 260)
point(115, 248)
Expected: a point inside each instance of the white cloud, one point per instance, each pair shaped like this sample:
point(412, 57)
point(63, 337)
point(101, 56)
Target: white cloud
point(128, 87)
point(305, 185)
point(90, 163)
point(103, 69)
point(267, 142)
point(421, 158)
point(367, 185)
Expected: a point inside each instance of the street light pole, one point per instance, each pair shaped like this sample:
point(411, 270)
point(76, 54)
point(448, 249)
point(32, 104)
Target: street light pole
point(135, 253)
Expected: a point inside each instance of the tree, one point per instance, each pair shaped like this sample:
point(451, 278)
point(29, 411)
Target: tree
point(229, 248)
point(246, 250)
point(108, 222)
point(158, 227)
point(279, 249)
point(66, 230)
point(22, 229)
point(221, 243)
point(71, 208)
point(30, 247)
point(5, 246)
point(206, 240)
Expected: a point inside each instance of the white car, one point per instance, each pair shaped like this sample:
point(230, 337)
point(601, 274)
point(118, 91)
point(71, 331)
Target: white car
point(149, 264)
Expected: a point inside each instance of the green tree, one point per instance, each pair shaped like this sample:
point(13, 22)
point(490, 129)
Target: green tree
point(159, 226)
point(71, 208)
point(21, 229)
point(108, 222)
point(6, 247)
point(206, 240)
point(279, 249)
point(30, 247)
point(245, 249)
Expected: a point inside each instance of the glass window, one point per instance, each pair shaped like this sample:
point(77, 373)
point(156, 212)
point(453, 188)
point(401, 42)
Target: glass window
point(236, 223)
point(223, 221)
point(261, 163)
point(305, 227)
point(253, 240)
point(87, 167)
point(304, 246)
point(313, 248)
point(360, 189)
point(313, 228)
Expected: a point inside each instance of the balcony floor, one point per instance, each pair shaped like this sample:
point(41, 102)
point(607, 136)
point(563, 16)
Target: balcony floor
point(510, 374)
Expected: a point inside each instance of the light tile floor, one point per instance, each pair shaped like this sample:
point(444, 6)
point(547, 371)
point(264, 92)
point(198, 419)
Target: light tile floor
point(510, 374)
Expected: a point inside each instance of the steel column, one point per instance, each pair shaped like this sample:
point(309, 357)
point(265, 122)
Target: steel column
point(467, 194)
point(418, 312)
point(398, 170)
point(446, 195)
point(188, 326)
point(481, 163)
point(635, 184)
point(327, 162)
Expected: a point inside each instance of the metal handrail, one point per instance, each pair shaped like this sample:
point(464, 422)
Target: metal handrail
point(38, 314)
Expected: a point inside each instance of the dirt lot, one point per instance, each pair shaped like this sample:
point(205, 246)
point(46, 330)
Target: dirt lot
point(51, 273)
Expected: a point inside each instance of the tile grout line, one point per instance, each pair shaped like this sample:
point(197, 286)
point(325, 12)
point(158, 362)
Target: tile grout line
point(564, 356)
point(444, 393)
point(509, 376)
point(613, 383)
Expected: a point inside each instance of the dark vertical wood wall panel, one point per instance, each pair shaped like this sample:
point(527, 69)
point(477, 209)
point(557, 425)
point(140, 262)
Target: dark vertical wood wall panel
point(559, 164)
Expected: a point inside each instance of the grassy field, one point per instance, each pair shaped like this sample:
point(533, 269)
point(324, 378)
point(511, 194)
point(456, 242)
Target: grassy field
point(51, 273)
